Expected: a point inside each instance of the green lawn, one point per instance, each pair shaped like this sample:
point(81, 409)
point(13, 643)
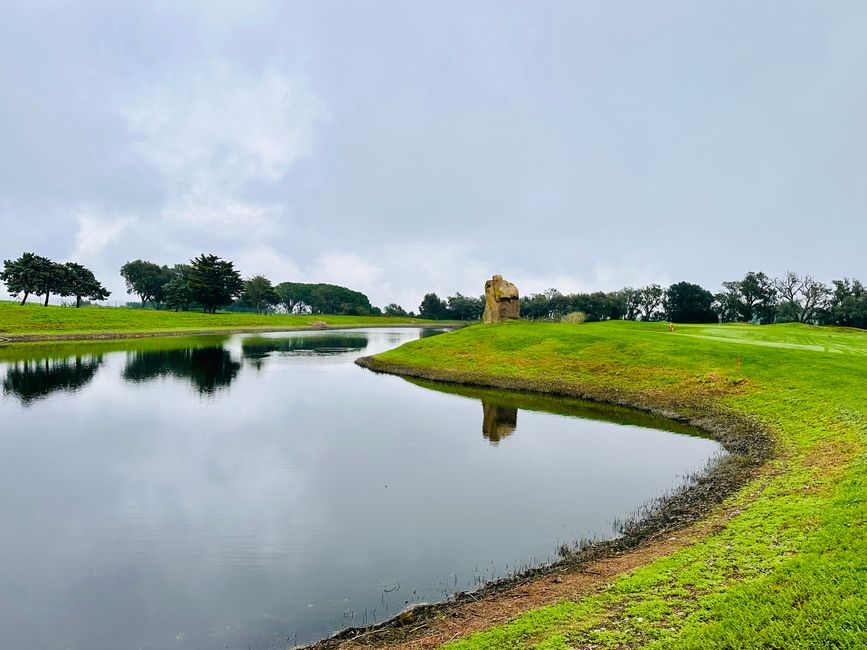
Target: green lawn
point(35, 320)
point(783, 562)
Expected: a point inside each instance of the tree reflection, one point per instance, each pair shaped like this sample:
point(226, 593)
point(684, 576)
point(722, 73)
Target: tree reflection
point(208, 368)
point(257, 348)
point(35, 379)
point(498, 421)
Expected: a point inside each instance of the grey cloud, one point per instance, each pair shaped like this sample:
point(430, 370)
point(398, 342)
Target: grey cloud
point(582, 144)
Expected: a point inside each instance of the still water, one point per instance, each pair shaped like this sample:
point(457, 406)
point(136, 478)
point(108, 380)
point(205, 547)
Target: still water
point(261, 491)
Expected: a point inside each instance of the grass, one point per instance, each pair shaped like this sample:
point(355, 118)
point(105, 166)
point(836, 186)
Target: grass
point(782, 563)
point(36, 321)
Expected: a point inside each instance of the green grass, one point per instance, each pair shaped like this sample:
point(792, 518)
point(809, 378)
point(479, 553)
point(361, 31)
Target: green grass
point(36, 320)
point(780, 564)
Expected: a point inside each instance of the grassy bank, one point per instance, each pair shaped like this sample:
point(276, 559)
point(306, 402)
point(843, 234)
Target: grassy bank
point(782, 562)
point(35, 322)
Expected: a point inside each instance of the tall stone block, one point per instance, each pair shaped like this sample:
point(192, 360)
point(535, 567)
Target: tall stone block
point(501, 301)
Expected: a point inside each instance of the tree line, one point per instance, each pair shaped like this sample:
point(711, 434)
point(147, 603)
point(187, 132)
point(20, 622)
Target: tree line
point(33, 274)
point(756, 298)
point(206, 283)
point(209, 282)
point(457, 307)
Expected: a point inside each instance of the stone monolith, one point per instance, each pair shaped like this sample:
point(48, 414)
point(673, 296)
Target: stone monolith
point(501, 301)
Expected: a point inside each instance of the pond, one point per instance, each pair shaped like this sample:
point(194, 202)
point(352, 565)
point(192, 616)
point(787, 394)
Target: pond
point(257, 491)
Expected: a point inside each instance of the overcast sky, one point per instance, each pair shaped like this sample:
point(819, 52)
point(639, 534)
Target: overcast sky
point(402, 147)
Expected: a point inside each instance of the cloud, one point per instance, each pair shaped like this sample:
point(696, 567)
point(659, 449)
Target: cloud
point(600, 276)
point(266, 260)
point(542, 145)
point(220, 137)
point(96, 232)
point(404, 273)
point(337, 267)
point(397, 273)
point(225, 123)
point(207, 206)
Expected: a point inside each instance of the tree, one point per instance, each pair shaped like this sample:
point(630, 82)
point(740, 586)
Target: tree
point(758, 292)
point(727, 304)
point(323, 299)
point(214, 282)
point(30, 273)
point(57, 282)
point(465, 307)
point(291, 296)
point(848, 305)
point(550, 305)
point(34, 274)
point(814, 299)
point(259, 293)
point(595, 306)
point(616, 305)
point(432, 308)
point(553, 305)
point(176, 292)
point(146, 280)
point(537, 306)
point(558, 304)
point(632, 303)
point(14, 276)
point(752, 300)
point(393, 309)
point(651, 300)
point(689, 303)
point(802, 299)
point(80, 282)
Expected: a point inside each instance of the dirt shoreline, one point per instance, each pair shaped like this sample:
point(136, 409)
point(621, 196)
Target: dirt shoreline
point(7, 339)
point(668, 524)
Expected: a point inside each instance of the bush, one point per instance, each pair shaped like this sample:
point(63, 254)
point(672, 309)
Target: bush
point(575, 317)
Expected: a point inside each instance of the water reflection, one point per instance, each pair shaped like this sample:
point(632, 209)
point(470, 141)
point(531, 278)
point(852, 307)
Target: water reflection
point(208, 368)
point(397, 337)
point(30, 380)
point(426, 332)
point(257, 347)
point(500, 410)
point(498, 421)
point(292, 503)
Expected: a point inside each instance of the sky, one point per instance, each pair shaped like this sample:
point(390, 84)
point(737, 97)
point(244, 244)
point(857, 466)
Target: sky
point(405, 147)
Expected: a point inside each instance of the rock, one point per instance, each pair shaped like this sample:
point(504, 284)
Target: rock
point(501, 301)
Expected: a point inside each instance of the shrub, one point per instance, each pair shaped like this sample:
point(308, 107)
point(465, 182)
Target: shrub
point(575, 317)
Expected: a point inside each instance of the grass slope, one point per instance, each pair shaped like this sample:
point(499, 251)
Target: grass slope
point(783, 562)
point(38, 321)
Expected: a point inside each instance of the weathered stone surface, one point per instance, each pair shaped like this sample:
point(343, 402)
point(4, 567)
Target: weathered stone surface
point(501, 300)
